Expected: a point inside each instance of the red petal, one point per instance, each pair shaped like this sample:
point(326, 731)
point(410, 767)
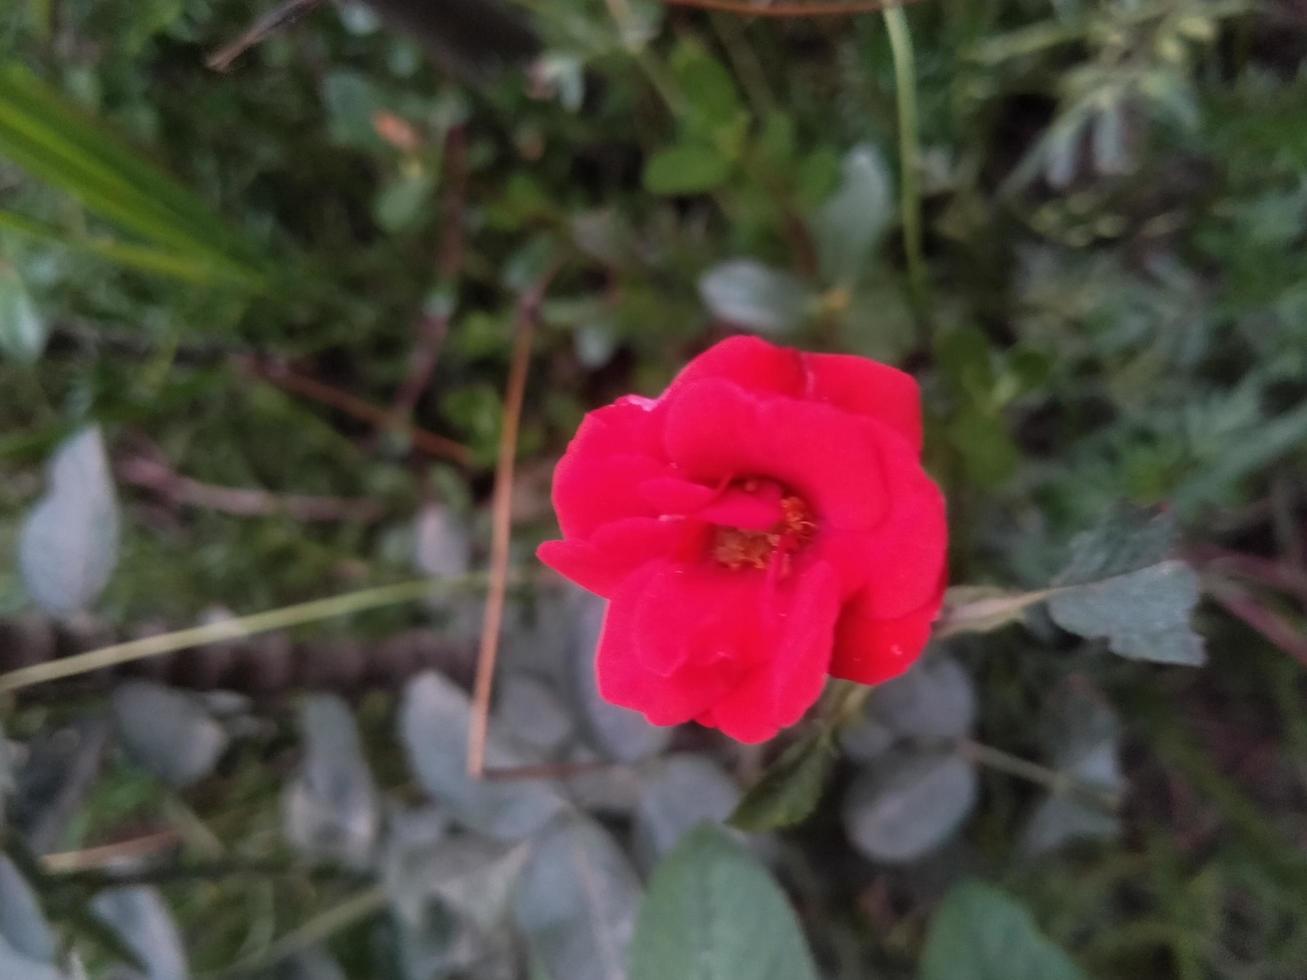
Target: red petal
point(717, 430)
point(749, 362)
point(756, 510)
point(623, 650)
point(671, 495)
point(867, 387)
point(872, 651)
point(776, 694)
point(602, 561)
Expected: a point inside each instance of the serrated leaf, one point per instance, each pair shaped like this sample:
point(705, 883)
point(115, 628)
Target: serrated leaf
point(850, 224)
point(69, 543)
point(168, 732)
point(676, 795)
point(330, 809)
point(617, 732)
point(433, 727)
point(1143, 615)
point(713, 913)
point(577, 900)
point(909, 804)
point(1127, 540)
point(23, 927)
point(687, 168)
point(22, 329)
point(141, 919)
point(979, 933)
point(935, 699)
point(791, 787)
point(755, 296)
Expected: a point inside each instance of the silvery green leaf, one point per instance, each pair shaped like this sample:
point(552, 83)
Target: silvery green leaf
point(619, 733)
point(69, 542)
point(22, 925)
point(433, 726)
point(713, 913)
point(677, 794)
point(312, 964)
point(908, 804)
point(531, 713)
point(934, 699)
point(141, 919)
point(23, 330)
point(442, 548)
point(851, 223)
point(1143, 615)
point(755, 296)
point(472, 876)
point(1128, 539)
point(168, 732)
point(577, 901)
point(867, 738)
point(19, 967)
point(330, 809)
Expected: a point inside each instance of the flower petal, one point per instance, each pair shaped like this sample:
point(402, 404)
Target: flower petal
point(872, 651)
point(867, 387)
point(750, 362)
point(717, 430)
point(600, 563)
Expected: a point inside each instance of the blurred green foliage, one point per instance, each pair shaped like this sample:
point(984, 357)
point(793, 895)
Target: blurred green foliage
point(1114, 196)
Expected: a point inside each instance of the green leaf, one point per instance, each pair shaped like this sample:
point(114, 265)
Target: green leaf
point(69, 543)
point(791, 787)
point(979, 933)
point(1143, 615)
point(909, 803)
point(399, 205)
point(168, 732)
point(686, 168)
point(1128, 539)
point(714, 105)
point(22, 329)
point(713, 913)
point(56, 142)
point(577, 901)
point(851, 223)
point(755, 296)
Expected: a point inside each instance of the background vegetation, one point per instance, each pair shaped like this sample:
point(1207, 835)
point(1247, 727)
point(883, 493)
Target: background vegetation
point(256, 329)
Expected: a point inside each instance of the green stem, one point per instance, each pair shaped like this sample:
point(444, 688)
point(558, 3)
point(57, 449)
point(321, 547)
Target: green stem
point(905, 85)
point(231, 629)
point(355, 909)
point(1052, 780)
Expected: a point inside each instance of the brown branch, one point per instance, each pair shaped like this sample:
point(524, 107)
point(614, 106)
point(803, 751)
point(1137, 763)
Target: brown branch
point(352, 405)
point(434, 327)
point(111, 855)
point(547, 770)
point(153, 473)
point(528, 314)
point(744, 8)
point(283, 15)
point(1270, 624)
point(1283, 576)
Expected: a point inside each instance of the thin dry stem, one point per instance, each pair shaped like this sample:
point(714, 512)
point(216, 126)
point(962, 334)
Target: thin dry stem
point(428, 442)
point(501, 526)
point(280, 16)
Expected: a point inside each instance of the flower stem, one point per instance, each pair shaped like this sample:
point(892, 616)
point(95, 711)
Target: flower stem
point(905, 92)
point(1051, 779)
point(230, 629)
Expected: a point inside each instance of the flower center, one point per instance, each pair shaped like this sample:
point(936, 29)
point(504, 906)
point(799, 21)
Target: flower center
point(739, 548)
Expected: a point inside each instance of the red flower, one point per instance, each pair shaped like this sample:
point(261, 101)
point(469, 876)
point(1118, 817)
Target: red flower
point(763, 523)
